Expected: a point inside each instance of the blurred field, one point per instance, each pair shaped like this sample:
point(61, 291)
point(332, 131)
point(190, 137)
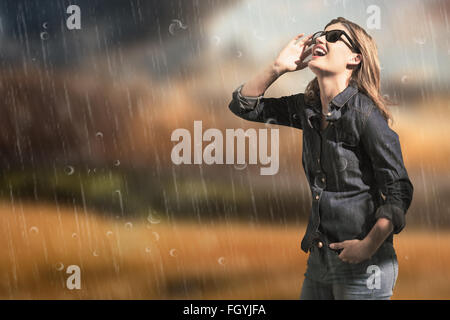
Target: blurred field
point(142, 260)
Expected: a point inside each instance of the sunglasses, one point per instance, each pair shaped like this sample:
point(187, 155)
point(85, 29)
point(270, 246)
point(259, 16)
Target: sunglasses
point(333, 36)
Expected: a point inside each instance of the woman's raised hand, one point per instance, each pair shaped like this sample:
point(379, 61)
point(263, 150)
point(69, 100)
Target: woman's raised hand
point(292, 57)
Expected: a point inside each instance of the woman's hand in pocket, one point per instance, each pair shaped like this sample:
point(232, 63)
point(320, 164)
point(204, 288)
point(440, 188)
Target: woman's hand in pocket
point(354, 251)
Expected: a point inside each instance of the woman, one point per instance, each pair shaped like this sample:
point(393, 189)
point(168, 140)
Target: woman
point(351, 157)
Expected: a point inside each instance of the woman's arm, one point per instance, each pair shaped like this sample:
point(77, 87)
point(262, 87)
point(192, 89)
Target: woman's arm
point(382, 145)
point(291, 58)
point(248, 99)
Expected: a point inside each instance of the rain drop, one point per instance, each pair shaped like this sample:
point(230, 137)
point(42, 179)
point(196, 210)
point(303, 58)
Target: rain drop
point(99, 134)
point(156, 235)
point(176, 26)
point(216, 40)
point(420, 40)
point(221, 261)
point(153, 218)
point(44, 35)
point(59, 266)
point(257, 36)
point(129, 225)
point(271, 121)
point(173, 252)
point(69, 170)
point(240, 166)
point(34, 230)
point(342, 164)
point(95, 253)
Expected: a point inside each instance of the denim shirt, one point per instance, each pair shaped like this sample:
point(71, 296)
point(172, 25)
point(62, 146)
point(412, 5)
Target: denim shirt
point(354, 166)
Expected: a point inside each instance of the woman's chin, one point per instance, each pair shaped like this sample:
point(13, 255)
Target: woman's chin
point(312, 65)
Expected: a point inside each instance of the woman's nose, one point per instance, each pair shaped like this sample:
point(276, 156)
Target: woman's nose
point(321, 39)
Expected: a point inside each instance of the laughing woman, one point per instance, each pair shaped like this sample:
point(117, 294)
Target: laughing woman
point(352, 160)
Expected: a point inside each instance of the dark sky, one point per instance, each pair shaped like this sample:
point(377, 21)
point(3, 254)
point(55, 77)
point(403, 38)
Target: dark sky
point(36, 30)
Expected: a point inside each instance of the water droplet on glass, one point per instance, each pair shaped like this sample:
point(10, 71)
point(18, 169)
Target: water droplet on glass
point(406, 257)
point(156, 235)
point(69, 170)
point(117, 163)
point(239, 54)
point(148, 250)
point(216, 40)
point(257, 35)
point(34, 230)
point(342, 164)
point(173, 252)
point(240, 166)
point(59, 266)
point(109, 233)
point(45, 25)
point(271, 121)
point(221, 261)
point(128, 225)
point(420, 40)
point(153, 218)
point(95, 253)
point(74, 235)
point(99, 134)
point(176, 26)
point(404, 79)
point(44, 35)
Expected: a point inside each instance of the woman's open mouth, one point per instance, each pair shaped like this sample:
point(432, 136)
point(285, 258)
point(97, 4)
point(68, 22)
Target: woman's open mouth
point(319, 51)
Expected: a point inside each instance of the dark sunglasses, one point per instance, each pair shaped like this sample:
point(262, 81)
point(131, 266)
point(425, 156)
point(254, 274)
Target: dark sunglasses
point(333, 36)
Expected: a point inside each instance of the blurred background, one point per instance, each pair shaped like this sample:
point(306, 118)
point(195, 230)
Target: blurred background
point(86, 176)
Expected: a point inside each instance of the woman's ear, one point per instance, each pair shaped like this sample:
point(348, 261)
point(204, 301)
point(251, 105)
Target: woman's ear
point(355, 59)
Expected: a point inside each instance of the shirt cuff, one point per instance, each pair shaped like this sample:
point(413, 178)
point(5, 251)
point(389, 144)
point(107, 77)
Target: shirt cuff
point(393, 213)
point(245, 102)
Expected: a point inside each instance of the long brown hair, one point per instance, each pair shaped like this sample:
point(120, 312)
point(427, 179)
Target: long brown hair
point(366, 77)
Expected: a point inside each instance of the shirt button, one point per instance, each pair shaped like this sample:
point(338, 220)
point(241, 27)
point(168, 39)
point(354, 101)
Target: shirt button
point(317, 197)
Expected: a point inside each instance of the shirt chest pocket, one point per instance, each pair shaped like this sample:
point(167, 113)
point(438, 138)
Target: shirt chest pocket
point(347, 149)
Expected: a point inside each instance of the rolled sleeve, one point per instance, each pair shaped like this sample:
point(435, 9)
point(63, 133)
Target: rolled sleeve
point(245, 102)
point(382, 145)
point(285, 111)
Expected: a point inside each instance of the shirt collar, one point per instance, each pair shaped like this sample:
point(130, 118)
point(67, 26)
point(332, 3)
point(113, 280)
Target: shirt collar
point(338, 102)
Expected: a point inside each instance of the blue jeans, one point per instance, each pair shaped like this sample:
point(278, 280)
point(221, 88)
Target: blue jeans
point(327, 277)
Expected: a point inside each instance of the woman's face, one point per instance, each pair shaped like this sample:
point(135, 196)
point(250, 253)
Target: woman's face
point(338, 55)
